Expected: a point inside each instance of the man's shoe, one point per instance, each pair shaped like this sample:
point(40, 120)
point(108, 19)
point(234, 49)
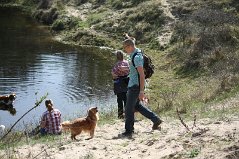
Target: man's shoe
point(156, 125)
point(127, 134)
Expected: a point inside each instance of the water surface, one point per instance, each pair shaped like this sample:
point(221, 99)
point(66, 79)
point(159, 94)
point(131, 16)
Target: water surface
point(32, 64)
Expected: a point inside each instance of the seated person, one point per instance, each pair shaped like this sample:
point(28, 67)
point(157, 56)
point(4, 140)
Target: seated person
point(51, 120)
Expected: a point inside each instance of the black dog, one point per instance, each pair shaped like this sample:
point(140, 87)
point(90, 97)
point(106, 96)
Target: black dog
point(6, 103)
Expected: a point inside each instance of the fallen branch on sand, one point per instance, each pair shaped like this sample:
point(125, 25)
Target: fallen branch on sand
point(181, 120)
point(200, 132)
point(194, 134)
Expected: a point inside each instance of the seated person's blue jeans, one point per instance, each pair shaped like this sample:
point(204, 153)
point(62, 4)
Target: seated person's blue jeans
point(43, 131)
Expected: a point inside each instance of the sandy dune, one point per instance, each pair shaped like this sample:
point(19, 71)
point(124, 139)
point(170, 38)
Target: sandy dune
point(215, 139)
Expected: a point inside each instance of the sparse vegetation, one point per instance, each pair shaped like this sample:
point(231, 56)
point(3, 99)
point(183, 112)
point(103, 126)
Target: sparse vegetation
point(194, 153)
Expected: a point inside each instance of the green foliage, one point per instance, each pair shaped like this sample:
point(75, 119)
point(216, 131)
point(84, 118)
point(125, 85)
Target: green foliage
point(60, 5)
point(120, 4)
point(79, 2)
point(207, 40)
point(86, 38)
point(142, 22)
point(46, 17)
point(108, 117)
point(83, 24)
point(151, 16)
point(168, 95)
point(58, 25)
point(68, 23)
point(30, 2)
point(95, 18)
point(194, 153)
point(117, 4)
point(47, 139)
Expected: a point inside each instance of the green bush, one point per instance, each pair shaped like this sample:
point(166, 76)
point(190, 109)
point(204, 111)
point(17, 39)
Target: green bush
point(58, 25)
point(117, 4)
point(95, 18)
point(206, 41)
point(46, 16)
point(79, 2)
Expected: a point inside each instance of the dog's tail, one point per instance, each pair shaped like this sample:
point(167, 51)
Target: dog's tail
point(65, 125)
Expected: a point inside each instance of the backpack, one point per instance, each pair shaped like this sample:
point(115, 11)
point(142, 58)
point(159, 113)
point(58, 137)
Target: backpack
point(148, 65)
point(121, 84)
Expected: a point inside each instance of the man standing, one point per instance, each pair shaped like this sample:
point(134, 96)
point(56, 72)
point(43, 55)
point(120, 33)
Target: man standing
point(136, 87)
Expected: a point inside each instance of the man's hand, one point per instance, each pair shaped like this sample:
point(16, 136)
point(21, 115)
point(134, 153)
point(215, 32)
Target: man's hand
point(141, 96)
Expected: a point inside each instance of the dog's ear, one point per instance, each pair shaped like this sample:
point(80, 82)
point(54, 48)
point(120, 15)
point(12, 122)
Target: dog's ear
point(94, 109)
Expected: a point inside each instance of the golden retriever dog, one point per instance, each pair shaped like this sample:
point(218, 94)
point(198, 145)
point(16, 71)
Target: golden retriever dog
point(85, 124)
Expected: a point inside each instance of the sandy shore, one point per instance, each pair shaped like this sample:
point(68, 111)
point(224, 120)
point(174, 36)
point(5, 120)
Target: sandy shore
point(210, 139)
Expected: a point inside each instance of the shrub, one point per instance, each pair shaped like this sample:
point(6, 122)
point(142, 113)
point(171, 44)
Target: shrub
point(79, 2)
point(117, 4)
point(58, 25)
point(46, 17)
point(206, 40)
point(213, 17)
point(44, 4)
point(95, 18)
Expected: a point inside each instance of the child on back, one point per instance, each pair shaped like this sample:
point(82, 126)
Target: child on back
point(121, 68)
point(120, 73)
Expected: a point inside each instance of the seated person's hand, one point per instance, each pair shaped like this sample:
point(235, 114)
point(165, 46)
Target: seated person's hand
point(43, 124)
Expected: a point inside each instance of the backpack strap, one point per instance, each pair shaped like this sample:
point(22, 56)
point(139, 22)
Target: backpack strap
point(134, 64)
point(134, 57)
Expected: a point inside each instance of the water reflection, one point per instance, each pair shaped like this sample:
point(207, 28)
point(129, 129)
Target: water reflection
point(32, 65)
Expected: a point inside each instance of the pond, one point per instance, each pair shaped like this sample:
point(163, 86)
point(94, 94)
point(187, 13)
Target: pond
point(32, 64)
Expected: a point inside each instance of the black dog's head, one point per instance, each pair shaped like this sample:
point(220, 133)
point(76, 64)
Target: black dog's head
point(12, 97)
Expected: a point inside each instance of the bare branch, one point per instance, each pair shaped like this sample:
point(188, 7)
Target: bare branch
point(194, 121)
point(181, 120)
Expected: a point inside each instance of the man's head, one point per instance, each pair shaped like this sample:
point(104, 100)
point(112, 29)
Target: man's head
point(49, 104)
point(129, 45)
